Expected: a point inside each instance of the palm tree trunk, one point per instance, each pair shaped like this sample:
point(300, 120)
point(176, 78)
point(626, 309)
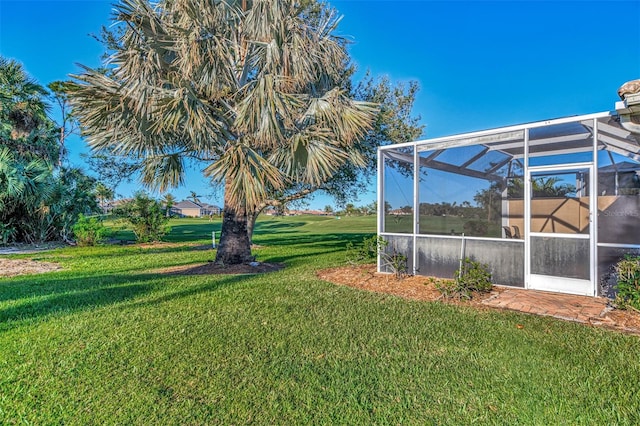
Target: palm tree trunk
point(234, 247)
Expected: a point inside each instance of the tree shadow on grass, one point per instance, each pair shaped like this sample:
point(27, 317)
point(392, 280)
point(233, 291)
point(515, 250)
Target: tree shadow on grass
point(36, 296)
point(317, 244)
point(192, 232)
point(224, 281)
point(86, 292)
point(274, 226)
point(127, 250)
point(337, 241)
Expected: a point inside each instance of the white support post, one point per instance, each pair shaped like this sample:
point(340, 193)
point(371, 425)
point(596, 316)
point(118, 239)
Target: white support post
point(593, 210)
point(416, 206)
point(380, 194)
point(527, 211)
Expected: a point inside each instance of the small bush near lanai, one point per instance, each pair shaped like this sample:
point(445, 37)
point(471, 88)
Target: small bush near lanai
point(628, 272)
point(472, 277)
point(89, 231)
point(367, 252)
point(370, 249)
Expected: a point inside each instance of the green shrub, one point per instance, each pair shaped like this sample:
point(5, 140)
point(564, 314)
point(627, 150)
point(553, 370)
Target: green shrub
point(449, 289)
point(89, 231)
point(395, 262)
point(628, 272)
point(373, 247)
point(146, 216)
point(472, 277)
point(6, 232)
point(365, 253)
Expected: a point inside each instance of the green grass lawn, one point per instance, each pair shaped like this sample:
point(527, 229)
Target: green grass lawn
point(438, 225)
point(111, 341)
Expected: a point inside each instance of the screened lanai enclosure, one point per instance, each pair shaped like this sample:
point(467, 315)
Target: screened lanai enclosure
point(550, 205)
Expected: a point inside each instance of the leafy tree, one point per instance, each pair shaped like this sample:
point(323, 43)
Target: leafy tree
point(370, 208)
point(74, 194)
point(490, 200)
point(551, 187)
point(350, 209)
point(111, 169)
point(387, 207)
point(24, 185)
point(328, 209)
point(68, 124)
point(24, 125)
point(252, 87)
point(541, 187)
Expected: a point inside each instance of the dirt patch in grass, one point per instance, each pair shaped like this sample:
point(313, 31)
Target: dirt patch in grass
point(365, 277)
point(211, 268)
point(15, 267)
point(23, 248)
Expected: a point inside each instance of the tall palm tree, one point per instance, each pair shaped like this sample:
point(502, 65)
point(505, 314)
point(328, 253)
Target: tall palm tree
point(26, 128)
point(104, 194)
point(169, 201)
point(252, 87)
point(194, 197)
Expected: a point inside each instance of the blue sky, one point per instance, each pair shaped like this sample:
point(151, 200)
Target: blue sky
point(480, 64)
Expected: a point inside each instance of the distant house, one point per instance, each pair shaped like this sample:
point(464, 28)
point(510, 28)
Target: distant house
point(401, 212)
point(308, 212)
point(188, 208)
point(275, 212)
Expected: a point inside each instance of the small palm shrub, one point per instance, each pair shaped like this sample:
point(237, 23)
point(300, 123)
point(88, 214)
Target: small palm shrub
point(628, 272)
point(472, 277)
point(146, 216)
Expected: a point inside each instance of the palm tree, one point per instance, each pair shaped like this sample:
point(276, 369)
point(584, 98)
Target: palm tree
point(194, 197)
point(250, 87)
point(26, 129)
point(169, 201)
point(38, 201)
point(26, 187)
point(103, 194)
point(28, 147)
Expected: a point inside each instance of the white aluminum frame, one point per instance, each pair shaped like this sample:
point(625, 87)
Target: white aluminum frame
point(564, 284)
point(507, 134)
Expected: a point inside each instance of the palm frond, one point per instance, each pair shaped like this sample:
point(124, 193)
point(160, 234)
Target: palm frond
point(163, 172)
point(267, 113)
point(247, 175)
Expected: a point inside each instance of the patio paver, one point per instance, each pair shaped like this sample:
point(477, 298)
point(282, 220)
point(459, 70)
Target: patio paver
point(583, 309)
